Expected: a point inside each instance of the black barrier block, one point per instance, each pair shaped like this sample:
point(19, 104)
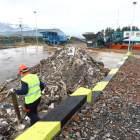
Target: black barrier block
point(108, 77)
point(117, 66)
point(64, 111)
point(95, 95)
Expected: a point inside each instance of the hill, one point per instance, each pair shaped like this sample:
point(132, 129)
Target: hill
point(31, 32)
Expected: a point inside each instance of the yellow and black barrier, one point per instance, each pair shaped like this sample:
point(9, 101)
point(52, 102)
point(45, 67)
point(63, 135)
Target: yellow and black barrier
point(52, 122)
point(97, 90)
point(57, 118)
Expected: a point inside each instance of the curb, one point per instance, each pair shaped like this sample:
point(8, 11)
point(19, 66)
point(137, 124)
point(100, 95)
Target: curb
point(56, 119)
point(97, 90)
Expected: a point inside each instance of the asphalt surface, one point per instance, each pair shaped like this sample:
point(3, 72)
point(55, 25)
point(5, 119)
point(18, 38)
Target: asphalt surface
point(11, 59)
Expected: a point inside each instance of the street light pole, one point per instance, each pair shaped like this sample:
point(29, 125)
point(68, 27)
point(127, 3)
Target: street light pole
point(36, 29)
point(131, 25)
point(22, 40)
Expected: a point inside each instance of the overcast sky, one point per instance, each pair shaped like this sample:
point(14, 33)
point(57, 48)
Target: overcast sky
point(74, 17)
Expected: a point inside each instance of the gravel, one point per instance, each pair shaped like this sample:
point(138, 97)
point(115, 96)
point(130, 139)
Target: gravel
point(116, 115)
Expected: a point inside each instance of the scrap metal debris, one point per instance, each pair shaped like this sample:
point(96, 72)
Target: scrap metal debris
point(63, 73)
point(70, 69)
point(116, 114)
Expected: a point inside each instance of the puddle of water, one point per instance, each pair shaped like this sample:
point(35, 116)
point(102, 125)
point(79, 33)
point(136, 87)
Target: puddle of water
point(11, 59)
point(108, 62)
point(6, 59)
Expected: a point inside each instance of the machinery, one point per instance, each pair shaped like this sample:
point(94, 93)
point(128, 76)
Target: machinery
point(52, 38)
point(120, 40)
point(115, 39)
point(92, 40)
point(97, 41)
point(110, 38)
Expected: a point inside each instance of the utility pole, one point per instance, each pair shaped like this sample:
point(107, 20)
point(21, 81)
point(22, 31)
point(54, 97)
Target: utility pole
point(36, 29)
point(134, 3)
point(8, 38)
point(118, 18)
point(20, 25)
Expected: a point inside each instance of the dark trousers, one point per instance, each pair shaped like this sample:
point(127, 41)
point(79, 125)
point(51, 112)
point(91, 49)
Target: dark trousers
point(31, 111)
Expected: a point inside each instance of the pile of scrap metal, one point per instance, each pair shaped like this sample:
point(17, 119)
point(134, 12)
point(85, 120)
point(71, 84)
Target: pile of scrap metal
point(63, 73)
point(69, 69)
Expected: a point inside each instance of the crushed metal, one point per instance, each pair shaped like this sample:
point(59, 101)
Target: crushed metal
point(63, 73)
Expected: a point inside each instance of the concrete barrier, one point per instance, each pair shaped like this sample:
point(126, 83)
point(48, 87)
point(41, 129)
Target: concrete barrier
point(52, 122)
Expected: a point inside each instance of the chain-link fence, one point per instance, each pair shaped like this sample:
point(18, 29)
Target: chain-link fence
point(9, 42)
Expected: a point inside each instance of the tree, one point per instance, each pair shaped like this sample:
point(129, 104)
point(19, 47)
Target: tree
point(134, 28)
point(118, 29)
point(109, 30)
point(126, 28)
point(106, 30)
point(102, 32)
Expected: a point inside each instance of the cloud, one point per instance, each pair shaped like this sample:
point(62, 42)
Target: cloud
point(74, 16)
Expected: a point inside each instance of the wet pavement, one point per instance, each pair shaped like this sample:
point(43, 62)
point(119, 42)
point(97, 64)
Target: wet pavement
point(11, 59)
point(108, 62)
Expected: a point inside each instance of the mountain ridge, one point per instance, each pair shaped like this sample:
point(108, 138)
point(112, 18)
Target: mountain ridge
point(32, 32)
point(14, 29)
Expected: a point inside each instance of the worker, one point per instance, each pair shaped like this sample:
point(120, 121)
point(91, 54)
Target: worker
point(31, 87)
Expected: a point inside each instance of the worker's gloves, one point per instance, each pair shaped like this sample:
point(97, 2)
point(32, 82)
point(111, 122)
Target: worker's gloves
point(12, 90)
point(45, 85)
point(43, 92)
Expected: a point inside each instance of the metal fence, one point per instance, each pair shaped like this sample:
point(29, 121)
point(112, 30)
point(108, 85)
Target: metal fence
point(38, 47)
point(92, 51)
point(9, 41)
point(112, 53)
point(105, 52)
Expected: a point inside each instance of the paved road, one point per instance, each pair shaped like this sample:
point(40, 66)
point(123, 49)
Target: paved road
point(11, 59)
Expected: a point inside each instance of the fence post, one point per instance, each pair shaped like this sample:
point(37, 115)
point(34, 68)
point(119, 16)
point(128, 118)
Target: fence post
point(15, 44)
point(36, 46)
point(100, 55)
point(4, 42)
point(1, 45)
point(15, 103)
point(25, 45)
point(49, 49)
